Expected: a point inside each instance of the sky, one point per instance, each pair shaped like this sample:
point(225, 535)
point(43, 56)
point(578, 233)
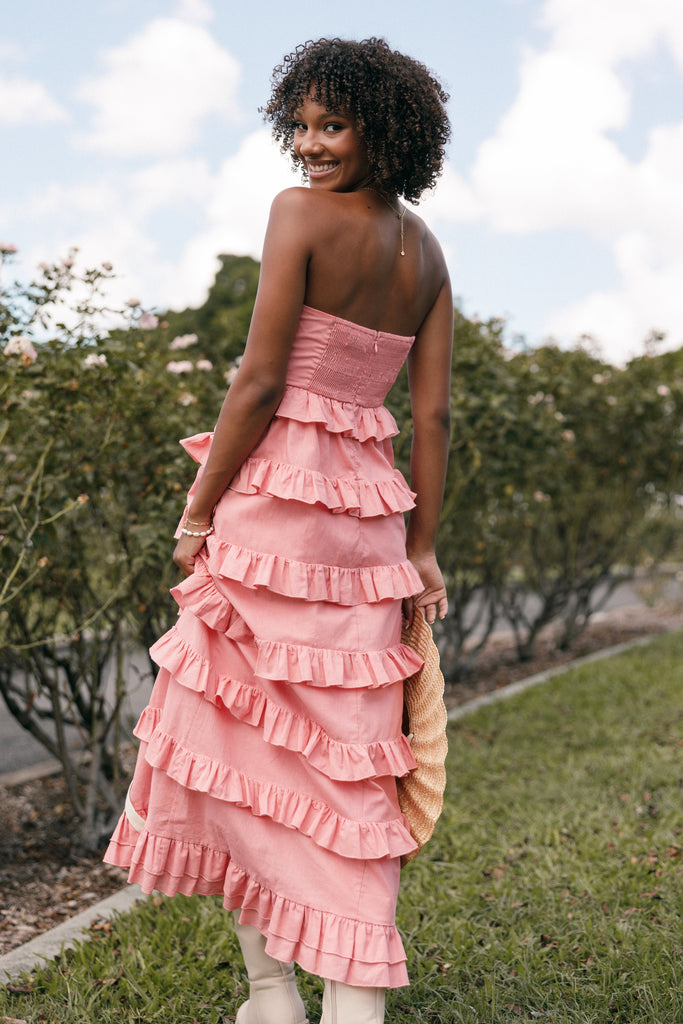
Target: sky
point(130, 128)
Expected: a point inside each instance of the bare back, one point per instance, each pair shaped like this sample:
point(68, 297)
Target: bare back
point(356, 270)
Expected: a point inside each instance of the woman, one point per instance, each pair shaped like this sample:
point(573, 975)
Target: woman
point(272, 740)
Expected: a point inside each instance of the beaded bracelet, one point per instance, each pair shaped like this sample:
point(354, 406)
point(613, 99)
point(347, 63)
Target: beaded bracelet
point(197, 533)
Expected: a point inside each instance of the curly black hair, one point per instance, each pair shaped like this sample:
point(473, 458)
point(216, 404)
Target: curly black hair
point(399, 107)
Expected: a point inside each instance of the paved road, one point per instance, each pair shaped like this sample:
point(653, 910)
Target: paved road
point(18, 749)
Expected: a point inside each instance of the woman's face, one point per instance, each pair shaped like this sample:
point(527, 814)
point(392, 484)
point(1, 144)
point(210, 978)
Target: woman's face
point(330, 148)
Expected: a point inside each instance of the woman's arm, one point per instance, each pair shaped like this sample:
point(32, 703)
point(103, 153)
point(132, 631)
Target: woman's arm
point(258, 387)
point(429, 379)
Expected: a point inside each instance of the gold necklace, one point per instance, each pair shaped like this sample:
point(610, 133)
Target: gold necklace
point(400, 216)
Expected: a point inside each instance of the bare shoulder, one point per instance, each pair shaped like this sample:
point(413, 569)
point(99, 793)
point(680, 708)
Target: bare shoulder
point(435, 278)
point(431, 249)
point(299, 200)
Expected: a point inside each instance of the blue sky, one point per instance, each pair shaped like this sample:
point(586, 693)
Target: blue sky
point(131, 129)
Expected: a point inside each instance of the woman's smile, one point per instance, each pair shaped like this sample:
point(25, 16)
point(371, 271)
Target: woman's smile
point(319, 170)
point(330, 147)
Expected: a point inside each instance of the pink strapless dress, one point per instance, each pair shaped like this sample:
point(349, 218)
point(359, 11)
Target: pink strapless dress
point(271, 744)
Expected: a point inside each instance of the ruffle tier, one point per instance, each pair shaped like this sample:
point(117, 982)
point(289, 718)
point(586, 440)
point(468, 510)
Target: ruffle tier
point(363, 423)
point(359, 840)
point(298, 663)
point(280, 726)
point(199, 593)
point(323, 943)
point(312, 581)
point(307, 581)
point(323, 666)
point(352, 494)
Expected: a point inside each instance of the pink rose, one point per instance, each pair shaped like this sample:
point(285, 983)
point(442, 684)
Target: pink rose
point(182, 366)
point(204, 364)
point(148, 321)
point(183, 341)
point(95, 360)
point(21, 346)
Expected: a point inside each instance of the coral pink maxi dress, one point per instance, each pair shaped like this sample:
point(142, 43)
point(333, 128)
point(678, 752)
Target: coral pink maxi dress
point(271, 743)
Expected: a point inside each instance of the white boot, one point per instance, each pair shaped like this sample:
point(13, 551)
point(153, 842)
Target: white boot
point(273, 995)
point(348, 1004)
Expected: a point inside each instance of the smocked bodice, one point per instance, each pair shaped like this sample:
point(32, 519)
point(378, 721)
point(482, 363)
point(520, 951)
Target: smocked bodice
point(342, 360)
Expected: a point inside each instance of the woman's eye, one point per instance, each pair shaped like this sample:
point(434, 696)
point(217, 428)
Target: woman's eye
point(333, 128)
point(299, 126)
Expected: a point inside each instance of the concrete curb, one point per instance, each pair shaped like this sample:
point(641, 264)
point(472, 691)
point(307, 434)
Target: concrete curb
point(51, 943)
point(512, 689)
point(34, 771)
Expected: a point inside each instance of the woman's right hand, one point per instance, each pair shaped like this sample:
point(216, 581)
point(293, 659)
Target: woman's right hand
point(186, 551)
point(433, 598)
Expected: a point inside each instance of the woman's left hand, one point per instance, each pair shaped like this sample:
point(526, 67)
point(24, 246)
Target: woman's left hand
point(433, 599)
point(186, 551)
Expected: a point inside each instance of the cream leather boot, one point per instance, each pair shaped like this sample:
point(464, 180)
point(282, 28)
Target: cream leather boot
point(273, 995)
point(348, 1004)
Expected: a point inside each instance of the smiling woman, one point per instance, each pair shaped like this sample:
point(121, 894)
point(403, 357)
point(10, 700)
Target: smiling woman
point(394, 102)
point(273, 738)
point(330, 147)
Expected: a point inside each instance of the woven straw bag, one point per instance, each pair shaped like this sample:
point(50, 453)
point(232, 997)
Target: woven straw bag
point(420, 794)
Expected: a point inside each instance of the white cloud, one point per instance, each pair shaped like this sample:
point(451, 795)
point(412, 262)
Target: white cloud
point(550, 163)
point(648, 298)
point(157, 90)
point(452, 199)
point(197, 11)
point(168, 183)
point(23, 101)
point(164, 268)
point(554, 162)
point(613, 30)
point(236, 214)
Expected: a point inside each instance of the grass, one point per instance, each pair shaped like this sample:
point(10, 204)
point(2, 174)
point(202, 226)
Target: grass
point(551, 891)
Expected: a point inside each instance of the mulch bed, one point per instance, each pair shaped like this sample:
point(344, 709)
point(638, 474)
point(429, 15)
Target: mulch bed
point(44, 880)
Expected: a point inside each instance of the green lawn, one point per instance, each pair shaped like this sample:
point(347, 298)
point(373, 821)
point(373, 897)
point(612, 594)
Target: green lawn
point(551, 892)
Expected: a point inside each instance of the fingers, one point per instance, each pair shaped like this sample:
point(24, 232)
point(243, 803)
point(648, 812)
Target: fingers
point(430, 613)
point(183, 558)
point(433, 607)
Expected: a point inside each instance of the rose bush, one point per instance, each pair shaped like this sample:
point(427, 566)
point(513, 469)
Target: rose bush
point(93, 484)
point(563, 477)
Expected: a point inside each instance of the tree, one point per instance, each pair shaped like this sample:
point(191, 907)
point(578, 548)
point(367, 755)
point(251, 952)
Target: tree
point(92, 402)
point(604, 476)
